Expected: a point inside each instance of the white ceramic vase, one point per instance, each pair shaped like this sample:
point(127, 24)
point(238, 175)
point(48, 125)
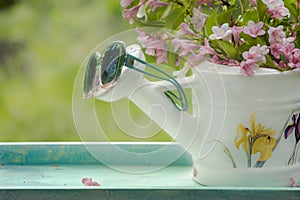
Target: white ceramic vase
point(254, 123)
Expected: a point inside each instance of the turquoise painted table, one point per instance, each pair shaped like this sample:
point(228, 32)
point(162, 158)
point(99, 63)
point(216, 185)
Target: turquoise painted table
point(55, 171)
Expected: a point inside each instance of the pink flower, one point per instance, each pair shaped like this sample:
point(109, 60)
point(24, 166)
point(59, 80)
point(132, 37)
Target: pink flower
point(288, 49)
point(275, 50)
point(206, 49)
point(220, 32)
point(185, 46)
point(256, 53)
point(284, 48)
point(215, 59)
point(194, 59)
point(276, 8)
point(130, 13)
point(202, 2)
point(152, 41)
point(293, 183)
point(248, 67)
point(198, 19)
point(253, 29)
point(156, 4)
point(161, 56)
point(291, 54)
point(272, 4)
point(281, 64)
point(279, 12)
point(233, 62)
point(295, 61)
point(155, 43)
point(184, 29)
point(126, 3)
point(236, 31)
point(253, 2)
point(252, 57)
point(276, 35)
point(89, 182)
point(229, 62)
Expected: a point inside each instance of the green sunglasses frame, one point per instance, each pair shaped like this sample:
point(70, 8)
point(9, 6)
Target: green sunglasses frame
point(94, 74)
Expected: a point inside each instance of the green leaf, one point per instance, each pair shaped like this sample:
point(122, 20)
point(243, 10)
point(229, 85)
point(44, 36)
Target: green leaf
point(225, 17)
point(228, 153)
point(238, 5)
point(251, 41)
point(291, 6)
point(250, 14)
point(153, 16)
point(175, 18)
point(261, 9)
point(283, 58)
point(143, 23)
point(297, 40)
point(228, 48)
point(210, 22)
point(245, 4)
point(269, 61)
point(172, 58)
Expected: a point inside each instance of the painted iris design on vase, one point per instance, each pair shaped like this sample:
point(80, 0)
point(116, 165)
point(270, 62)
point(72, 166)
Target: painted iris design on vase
point(255, 139)
point(294, 127)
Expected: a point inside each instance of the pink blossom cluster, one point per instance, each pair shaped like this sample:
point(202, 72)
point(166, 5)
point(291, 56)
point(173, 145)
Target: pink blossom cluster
point(225, 32)
point(198, 53)
point(255, 55)
point(156, 44)
point(283, 47)
point(279, 46)
point(276, 8)
point(249, 42)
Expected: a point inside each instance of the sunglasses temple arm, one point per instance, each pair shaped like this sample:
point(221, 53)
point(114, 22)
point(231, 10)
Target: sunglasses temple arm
point(181, 98)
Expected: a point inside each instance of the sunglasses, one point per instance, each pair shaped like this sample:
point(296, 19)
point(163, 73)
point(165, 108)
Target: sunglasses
point(104, 70)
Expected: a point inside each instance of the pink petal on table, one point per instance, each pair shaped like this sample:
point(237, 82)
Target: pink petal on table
point(293, 183)
point(89, 182)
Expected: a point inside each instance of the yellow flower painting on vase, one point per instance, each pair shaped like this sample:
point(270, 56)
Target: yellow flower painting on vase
point(255, 139)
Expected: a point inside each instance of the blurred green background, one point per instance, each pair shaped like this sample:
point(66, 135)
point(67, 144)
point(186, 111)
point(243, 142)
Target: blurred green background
point(42, 44)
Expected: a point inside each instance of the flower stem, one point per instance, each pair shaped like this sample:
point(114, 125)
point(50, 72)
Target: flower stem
point(249, 151)
point(292, 157)
point(250, 146)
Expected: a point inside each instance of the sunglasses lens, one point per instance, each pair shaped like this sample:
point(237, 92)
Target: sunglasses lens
point(113, 60)
point(90, 74)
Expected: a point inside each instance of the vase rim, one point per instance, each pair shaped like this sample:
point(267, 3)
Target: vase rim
point(210, 67)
